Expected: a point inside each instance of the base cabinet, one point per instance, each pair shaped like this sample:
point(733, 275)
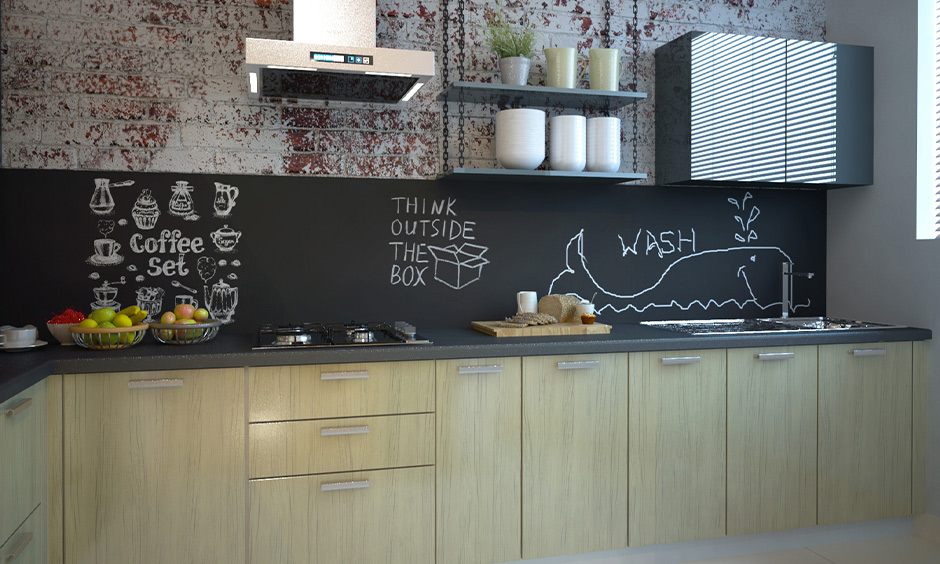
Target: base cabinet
point(865, 426)
point(23, 436)
point(479, 460)
point(677, 446)
point(155, 467)
point(29, 544)
point(574, 454)
point(771, 439)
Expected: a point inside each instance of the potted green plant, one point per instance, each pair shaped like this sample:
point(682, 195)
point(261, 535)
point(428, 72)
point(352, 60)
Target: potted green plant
point(514, 45)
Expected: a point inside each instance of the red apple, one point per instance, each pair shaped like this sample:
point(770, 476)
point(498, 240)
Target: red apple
point(189, 333)
point(201, 314)
point(184, 311)
point(168, 318)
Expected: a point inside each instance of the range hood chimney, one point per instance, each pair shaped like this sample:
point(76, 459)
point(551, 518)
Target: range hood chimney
point(333, 57)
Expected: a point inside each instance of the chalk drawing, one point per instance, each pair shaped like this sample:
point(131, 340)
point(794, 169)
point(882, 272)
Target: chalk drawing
point(181, 202)
point(224, 202)
point(747, 234)
point(150, 299)
point(458, 267)
point(225, 238)
point(106, 295)
point(102, 201)
point(106, 249)
point(731, 287)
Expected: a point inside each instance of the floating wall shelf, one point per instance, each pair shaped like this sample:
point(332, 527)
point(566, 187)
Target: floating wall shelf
point(506, 95)
point(541, 176)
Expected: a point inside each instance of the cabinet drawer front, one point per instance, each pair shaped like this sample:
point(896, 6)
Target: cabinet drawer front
point(292, 448)
point(385, 516)
point(282, 393)
point(29, 544)
point(22, 456)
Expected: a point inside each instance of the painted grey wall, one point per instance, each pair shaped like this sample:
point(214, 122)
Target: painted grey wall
point(876, 269)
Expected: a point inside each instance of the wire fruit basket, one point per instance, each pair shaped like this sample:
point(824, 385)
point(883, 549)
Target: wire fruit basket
point(185, 334)
point(108, 338)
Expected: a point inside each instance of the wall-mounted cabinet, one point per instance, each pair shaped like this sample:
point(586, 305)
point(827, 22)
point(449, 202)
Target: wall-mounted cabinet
point(763, 111)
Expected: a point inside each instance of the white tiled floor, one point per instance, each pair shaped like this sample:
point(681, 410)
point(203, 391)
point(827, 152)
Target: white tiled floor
point(904, 549)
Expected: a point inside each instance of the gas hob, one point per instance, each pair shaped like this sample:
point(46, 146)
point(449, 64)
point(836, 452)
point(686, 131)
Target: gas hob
point(351, 334)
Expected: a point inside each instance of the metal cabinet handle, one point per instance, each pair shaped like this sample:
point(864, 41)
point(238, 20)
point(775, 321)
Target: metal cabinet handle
point(578, 364)
point(158, 383)
point(492, 369)
point(336, 486)
point(19, 547)
point(333, 431)
point(18, 408)
point(869, 352)
point(347, 375)
point(681, 359)
point(776, 356)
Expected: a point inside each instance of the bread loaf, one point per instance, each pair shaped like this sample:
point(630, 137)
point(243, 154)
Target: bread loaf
point(560, 306)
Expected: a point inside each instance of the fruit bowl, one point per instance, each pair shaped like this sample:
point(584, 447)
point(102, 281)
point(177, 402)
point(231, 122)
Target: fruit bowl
point(108, 338)
point(61, 332)
point(185, 334)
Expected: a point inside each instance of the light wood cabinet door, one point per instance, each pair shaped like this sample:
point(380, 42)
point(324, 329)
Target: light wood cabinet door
point(23, 435)
point(574, 454)
point(677, 446)
point(479, 460)
point(380, 517)
point(155, 467)
point(29, 543)
point(865, 414)
point(771, 439)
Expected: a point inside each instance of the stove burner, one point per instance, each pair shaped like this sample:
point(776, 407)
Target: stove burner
point(337, 334)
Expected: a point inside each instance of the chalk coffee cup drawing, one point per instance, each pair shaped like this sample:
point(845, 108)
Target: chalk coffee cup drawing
point(562, 63)
point(106, 253)
point(603, 144)
point(17, 337)
point(606, 67)
point(182, 299)
point(527, 302)
point(566, 143)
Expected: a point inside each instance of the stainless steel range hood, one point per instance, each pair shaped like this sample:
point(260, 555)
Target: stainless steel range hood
point(333, 57)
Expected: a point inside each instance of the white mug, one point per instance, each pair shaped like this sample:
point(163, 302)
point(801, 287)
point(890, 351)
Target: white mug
point(528, 302)
point(603, 144)
point(583, 309)
point(566, 143)
point(16, 337)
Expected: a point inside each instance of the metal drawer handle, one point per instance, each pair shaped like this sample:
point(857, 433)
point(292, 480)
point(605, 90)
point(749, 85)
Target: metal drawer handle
point(578, 364)
point(776, 356)
point(681, 359)
point(333, 431)
point(19, 547)
point(336, 486)
point(347, 375)
point(159, 383)
point(492, 369)
point(869, 352)
point(18, 408)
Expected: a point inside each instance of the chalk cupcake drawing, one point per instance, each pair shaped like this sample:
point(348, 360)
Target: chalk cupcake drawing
point(102, 202)
point(146, 211)
point(106, 248)
point(721, 277)
point(225, 195)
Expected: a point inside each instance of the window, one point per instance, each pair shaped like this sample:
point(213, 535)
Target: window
point(928, 119)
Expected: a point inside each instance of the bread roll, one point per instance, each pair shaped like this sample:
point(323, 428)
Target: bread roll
point(560, 306)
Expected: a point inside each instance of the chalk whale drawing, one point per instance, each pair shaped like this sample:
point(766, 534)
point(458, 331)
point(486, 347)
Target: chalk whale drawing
point(715, 278)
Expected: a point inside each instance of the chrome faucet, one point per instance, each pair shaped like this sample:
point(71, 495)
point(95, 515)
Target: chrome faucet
point(787, 283)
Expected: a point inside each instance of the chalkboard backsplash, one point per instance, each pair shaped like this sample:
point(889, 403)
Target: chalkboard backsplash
point(256, 249)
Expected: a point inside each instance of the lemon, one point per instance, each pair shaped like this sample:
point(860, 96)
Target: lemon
point(122, 320)
point(102, 315)
point(88, 323)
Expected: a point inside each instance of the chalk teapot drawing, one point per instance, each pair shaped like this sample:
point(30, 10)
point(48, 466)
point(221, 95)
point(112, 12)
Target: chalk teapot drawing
point(221, 300)
point(225, 238)
point(225, 195)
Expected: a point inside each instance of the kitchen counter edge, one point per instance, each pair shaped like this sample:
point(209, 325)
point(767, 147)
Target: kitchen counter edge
point(20, 370)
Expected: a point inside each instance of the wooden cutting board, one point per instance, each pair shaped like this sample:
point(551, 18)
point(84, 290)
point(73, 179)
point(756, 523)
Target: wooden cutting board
point(491, 328)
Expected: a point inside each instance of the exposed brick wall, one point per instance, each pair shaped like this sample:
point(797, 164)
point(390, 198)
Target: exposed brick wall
point(160, 86)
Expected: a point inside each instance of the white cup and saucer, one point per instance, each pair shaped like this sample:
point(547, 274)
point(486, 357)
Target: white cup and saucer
point(13, 339)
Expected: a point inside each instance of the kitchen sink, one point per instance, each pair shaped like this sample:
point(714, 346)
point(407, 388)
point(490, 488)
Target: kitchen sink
point(765, 325)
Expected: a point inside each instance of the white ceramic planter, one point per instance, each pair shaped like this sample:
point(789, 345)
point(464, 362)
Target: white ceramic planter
point(520, 138)
point(514, 70)
point(603, 144)
point(566, 143)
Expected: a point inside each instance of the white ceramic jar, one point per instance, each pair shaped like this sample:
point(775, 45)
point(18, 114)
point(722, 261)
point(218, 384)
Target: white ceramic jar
point(566, 143)
point(520, 138)
point(603, 144)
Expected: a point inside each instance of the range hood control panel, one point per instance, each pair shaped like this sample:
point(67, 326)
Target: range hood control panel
point(342, 58)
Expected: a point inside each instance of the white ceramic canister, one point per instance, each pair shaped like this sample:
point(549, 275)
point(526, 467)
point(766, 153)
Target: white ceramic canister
point(603, 144)
point(520, 138)
point(567, 148)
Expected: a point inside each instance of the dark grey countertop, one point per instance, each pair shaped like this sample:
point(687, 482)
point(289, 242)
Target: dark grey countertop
point(19, 370)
